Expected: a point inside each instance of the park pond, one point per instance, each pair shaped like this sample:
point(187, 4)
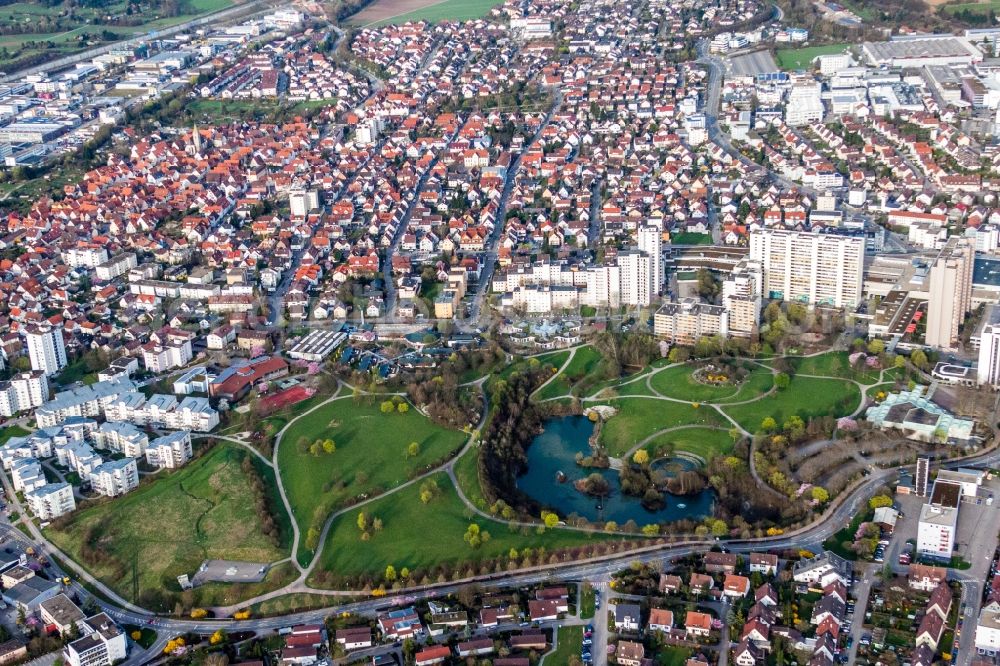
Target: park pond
point(554, 451)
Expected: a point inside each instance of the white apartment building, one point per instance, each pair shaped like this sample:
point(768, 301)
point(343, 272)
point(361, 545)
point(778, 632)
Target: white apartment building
point(115, 267)
point(302, 201)
point(161, 358)
point(79, 457)
point(170, 451)
point(87, 401)
point(809, 267)
point(26, 474)
point(988, 629)
point(123, 437)
point(115, 477)
point(35, 445)
point(161, 410)
point(638, 282)
point(939, 521)
point(102, 644)
point(685, 322)
point(51, 500)
point(23, 392)
point(741, 297)
point(805, 105)
point(85, 256)
point(650, 241)
point(950, 292)
point(45, 348)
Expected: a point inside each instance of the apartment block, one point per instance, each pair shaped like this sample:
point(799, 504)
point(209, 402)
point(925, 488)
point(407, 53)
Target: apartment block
point(115, 477)
point(51, 500)
point(685, 322)
point(23, 392)
point(950, 292)
point(170, 451)
point(810, 267)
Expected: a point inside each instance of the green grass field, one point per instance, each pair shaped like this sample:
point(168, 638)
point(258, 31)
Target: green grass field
point(168, 526)
point(802, 58)
point(371, 455)
point(638, 418)
point(706, 443)
point(805, 396)
point(584, 364)
point(448, 10)
point(422, 536)
point(833, 364)
point(569, 641)
point(690, 238)
point(673, 656)
point(972, 7)
point(467, 473)
point(679, 382)
point(12, 431)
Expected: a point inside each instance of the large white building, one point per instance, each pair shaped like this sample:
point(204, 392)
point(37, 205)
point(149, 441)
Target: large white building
point(45, 348)
point(638, 282)
point(170, 451)
point(51, 500)
point(805, 105)
point(809, 267)
point(741, 297)
point(939, 521)
point(23, 392)
point(87, 401)
point(102, 644)
point(685, 322)
point(161, 410)
point(123, 437)
point(650, 240)
point(161, 358)
point(950, 292)
point(115, 477)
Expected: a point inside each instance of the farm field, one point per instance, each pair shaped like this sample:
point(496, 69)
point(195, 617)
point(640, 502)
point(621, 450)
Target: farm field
point(168, 526)
point(801, 58)
point(371, 455)
point(424, 536)
point(386, 12)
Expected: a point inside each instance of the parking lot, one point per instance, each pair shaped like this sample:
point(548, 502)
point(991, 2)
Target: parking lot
point(752, 64)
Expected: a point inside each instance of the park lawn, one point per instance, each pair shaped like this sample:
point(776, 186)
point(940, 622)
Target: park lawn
point(636, 388)
point(448, 10)
point(679, 382)
point(806, 397)
point(802, 58)
point(690, 238)
point(12, 431)
point(874, 390)
point(756, 384)
point(170, 525)
point(569, 643)
point(371, 455)
point(832, 364)
point(584, 363)
point(638, 418)
point(467, 473)
point(422, 536)
point(706, 443)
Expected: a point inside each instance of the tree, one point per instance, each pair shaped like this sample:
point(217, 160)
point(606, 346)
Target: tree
point(919, 358)
point(312, 538)
point(329, 446)
point(217, 637)
point(550, 519)
point(403, 407)
point(377, 524)
point(876, 346)
point(768, 424)
point(880, 501)
point(315, 448)
point(782, 380)
point(362, 521)
point(413, 450)
point(820, 494)
point(641, 457)
point(719, 528)
point(390, 573)
point(651, 530)
point(678, 355)
point(387, 407)
point(217, 658)
point(900, 362)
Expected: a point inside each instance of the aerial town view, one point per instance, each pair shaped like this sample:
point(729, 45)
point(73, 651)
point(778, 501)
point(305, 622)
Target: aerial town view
point(499, 332)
